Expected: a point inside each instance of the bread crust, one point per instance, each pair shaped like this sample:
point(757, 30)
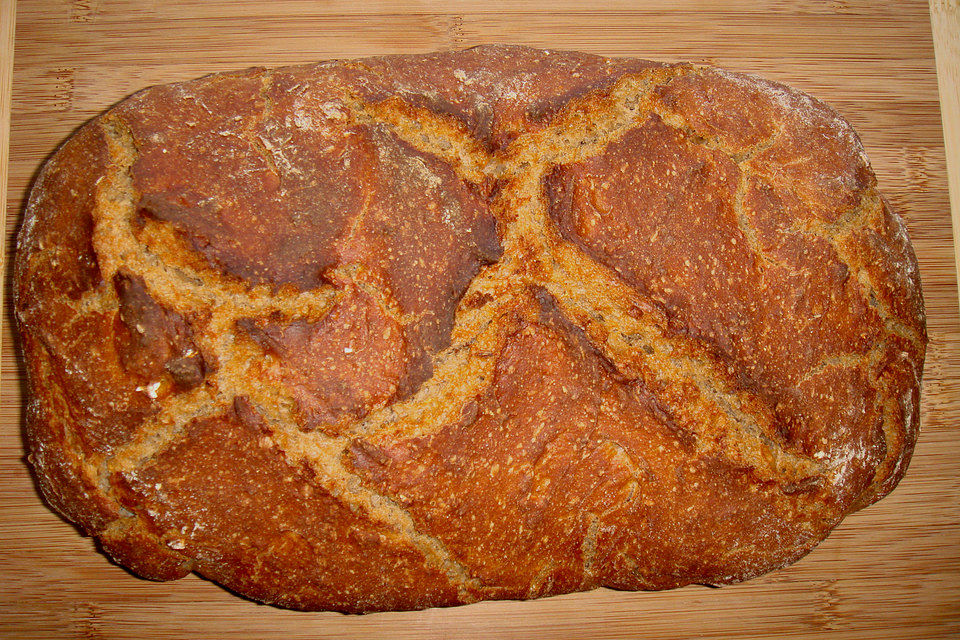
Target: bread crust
point(419, 331)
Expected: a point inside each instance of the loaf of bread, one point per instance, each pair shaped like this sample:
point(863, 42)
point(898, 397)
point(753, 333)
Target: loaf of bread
point(419, 331)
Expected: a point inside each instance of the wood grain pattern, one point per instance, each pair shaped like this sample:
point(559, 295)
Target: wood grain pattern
point(945, 21)
point(8, 14)
point(892, 570)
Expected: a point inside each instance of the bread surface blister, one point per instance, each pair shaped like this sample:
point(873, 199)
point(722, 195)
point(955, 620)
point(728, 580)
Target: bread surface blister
point(502, 323)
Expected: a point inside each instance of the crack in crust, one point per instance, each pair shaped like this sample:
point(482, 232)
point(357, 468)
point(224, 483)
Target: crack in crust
point(630, 330)
point(723, 418)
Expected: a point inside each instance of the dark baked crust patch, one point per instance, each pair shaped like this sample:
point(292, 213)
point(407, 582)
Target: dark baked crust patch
point(424, 330)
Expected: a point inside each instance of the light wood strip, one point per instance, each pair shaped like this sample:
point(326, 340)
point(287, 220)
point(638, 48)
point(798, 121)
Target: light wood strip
point(945, 22)
point(8, 12)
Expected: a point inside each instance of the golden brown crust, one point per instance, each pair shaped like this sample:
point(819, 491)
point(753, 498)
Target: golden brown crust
point(419, 331)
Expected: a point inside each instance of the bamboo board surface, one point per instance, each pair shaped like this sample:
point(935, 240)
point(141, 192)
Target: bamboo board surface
point(892, 570)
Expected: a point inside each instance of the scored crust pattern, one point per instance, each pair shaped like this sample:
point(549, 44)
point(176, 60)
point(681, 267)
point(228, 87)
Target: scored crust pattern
point(656, 326)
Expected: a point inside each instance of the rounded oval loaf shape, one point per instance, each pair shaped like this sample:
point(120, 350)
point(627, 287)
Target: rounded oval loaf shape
point(418, 331)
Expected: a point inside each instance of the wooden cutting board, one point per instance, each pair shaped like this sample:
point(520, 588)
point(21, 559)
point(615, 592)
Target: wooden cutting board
point(892, 570)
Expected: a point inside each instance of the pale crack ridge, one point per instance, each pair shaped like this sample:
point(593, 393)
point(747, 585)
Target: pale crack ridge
point(162, 429)
point(586, 126)
point(461, 373)
point(697, 389)
point(892, 433)
point(428, 132)
point(867, 214)
point(324, 455)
